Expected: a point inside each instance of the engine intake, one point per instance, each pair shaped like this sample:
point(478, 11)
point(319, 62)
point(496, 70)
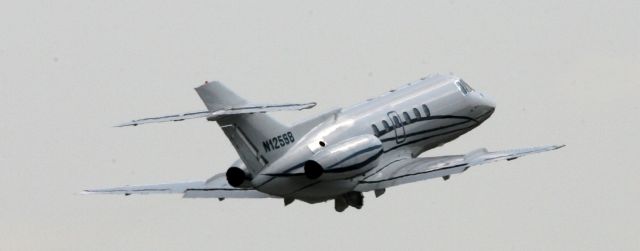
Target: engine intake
point(313, 170)
point(236, 176)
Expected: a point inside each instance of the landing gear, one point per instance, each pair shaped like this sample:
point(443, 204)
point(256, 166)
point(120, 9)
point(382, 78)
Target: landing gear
point(353, 199)
point(340, 204)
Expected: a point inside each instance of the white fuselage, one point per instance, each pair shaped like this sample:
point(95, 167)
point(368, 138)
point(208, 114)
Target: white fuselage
point(341, 154)
point(408, 121)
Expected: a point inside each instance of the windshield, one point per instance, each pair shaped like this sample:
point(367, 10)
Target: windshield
point(464, 87)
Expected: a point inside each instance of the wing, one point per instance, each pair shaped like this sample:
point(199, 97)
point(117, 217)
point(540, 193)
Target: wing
point(412, 170)
point(214, 115)
point(215, 187)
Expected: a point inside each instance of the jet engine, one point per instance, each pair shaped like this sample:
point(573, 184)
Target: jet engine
point(344, 159)
point(238, 175)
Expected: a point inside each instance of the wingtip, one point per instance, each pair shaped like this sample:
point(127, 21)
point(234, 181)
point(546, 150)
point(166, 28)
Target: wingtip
point(310, 105)
point(214, 82)
point(126, 124)
point(86, 192)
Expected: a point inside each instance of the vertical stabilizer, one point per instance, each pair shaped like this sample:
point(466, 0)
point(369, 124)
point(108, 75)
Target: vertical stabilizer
point(247, 132)
point(216, 96)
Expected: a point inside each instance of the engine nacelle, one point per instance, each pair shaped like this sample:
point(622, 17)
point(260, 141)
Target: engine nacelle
point(238, 175)
point(344, 159)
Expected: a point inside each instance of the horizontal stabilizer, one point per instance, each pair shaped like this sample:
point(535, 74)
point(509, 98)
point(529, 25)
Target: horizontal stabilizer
point(214, 115)
point(216, 187)
point(179, 187)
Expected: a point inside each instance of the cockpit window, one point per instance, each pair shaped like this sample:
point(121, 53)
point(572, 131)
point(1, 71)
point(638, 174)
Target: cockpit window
point(464, 87)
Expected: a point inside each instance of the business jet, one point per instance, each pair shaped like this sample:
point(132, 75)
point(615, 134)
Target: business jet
point(340, 154)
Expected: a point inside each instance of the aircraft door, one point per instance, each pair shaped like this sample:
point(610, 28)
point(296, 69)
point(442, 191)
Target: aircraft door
point(398, 126)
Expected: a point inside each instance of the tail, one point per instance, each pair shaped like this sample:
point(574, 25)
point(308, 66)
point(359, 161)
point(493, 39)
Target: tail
point(257, 137)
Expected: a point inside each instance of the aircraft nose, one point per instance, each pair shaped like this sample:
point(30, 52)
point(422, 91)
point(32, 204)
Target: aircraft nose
point(487, 102)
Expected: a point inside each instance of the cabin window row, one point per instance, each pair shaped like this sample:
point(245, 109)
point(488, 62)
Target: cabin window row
point(407, 117)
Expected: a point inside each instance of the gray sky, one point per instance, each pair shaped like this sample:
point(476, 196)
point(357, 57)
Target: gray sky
point(562, 72)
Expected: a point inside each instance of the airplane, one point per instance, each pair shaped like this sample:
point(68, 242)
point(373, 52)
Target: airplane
point(340, 154)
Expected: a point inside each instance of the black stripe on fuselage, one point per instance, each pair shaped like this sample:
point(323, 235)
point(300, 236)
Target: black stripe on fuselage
point(422, 119)
point(287, 173)
point(450, 117)
point(429, 137)
point(355, 155)
point(355, 166)
point(344, 169)
point(428, 130)
point(411, 174)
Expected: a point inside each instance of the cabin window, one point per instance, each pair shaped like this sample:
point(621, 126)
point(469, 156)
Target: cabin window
point(397, 121)
point(376, 131)
point(387, 127)
point(427, 112)
point(417, 112)
point(407, 118)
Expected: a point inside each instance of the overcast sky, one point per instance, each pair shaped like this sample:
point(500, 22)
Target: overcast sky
point(561, 72)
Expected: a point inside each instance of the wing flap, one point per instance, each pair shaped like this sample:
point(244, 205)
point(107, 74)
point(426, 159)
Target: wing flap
point(412, 170)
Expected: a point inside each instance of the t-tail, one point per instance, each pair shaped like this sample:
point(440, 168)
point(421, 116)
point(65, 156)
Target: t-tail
point(258, 138)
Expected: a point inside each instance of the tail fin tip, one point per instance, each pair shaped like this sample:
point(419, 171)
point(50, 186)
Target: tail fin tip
point(217, 96)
